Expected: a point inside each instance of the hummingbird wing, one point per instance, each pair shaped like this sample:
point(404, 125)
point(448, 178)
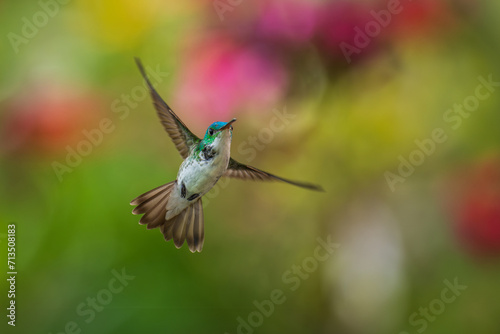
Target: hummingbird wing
point(241, 171)
point(182, 137)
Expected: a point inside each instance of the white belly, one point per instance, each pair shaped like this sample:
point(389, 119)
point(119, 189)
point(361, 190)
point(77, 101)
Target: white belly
point(198, 176)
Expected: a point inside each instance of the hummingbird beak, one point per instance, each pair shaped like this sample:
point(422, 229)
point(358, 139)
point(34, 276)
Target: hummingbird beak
point(228, 124)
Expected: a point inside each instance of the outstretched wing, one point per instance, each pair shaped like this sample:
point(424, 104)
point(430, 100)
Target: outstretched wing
point(182, 137)
point(240, 171)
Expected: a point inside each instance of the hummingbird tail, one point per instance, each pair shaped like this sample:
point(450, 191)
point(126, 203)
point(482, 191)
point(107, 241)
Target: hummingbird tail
point(187, 225)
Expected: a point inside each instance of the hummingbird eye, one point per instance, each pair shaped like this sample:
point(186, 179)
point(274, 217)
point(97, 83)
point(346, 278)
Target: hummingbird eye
point(211, 132)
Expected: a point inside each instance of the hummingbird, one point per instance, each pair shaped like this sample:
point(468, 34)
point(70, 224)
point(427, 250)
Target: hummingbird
point(176, 207)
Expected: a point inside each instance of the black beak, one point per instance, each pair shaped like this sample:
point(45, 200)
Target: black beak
point(228, 124)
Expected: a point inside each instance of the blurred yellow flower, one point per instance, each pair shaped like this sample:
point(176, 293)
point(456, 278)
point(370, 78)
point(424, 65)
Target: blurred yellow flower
point(118, 24)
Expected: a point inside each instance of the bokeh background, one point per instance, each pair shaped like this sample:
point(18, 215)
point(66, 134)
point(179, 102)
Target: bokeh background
point(68, 73)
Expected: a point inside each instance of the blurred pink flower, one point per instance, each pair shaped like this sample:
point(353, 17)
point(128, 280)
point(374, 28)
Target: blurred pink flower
point(338, 21)
point(292, 21)
point(221, 77)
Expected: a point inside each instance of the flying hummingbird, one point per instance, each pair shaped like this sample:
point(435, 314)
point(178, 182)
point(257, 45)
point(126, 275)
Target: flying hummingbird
point(176, 207)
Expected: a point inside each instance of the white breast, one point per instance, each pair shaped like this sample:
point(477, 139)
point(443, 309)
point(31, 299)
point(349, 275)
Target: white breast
point(200, 175)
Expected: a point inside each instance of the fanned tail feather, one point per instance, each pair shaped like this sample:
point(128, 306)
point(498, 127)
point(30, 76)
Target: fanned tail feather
point(187, 226)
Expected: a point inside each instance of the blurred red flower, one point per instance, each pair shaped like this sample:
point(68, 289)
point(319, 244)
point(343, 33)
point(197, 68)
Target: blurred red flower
point(476, 207)
point(47, 118)
point(423, 16)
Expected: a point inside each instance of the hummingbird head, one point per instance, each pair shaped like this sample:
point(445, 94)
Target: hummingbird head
point(217, 129)
point(217, 140)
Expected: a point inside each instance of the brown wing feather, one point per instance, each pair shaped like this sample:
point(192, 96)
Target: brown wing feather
point(244, 172)
point(182, 137)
